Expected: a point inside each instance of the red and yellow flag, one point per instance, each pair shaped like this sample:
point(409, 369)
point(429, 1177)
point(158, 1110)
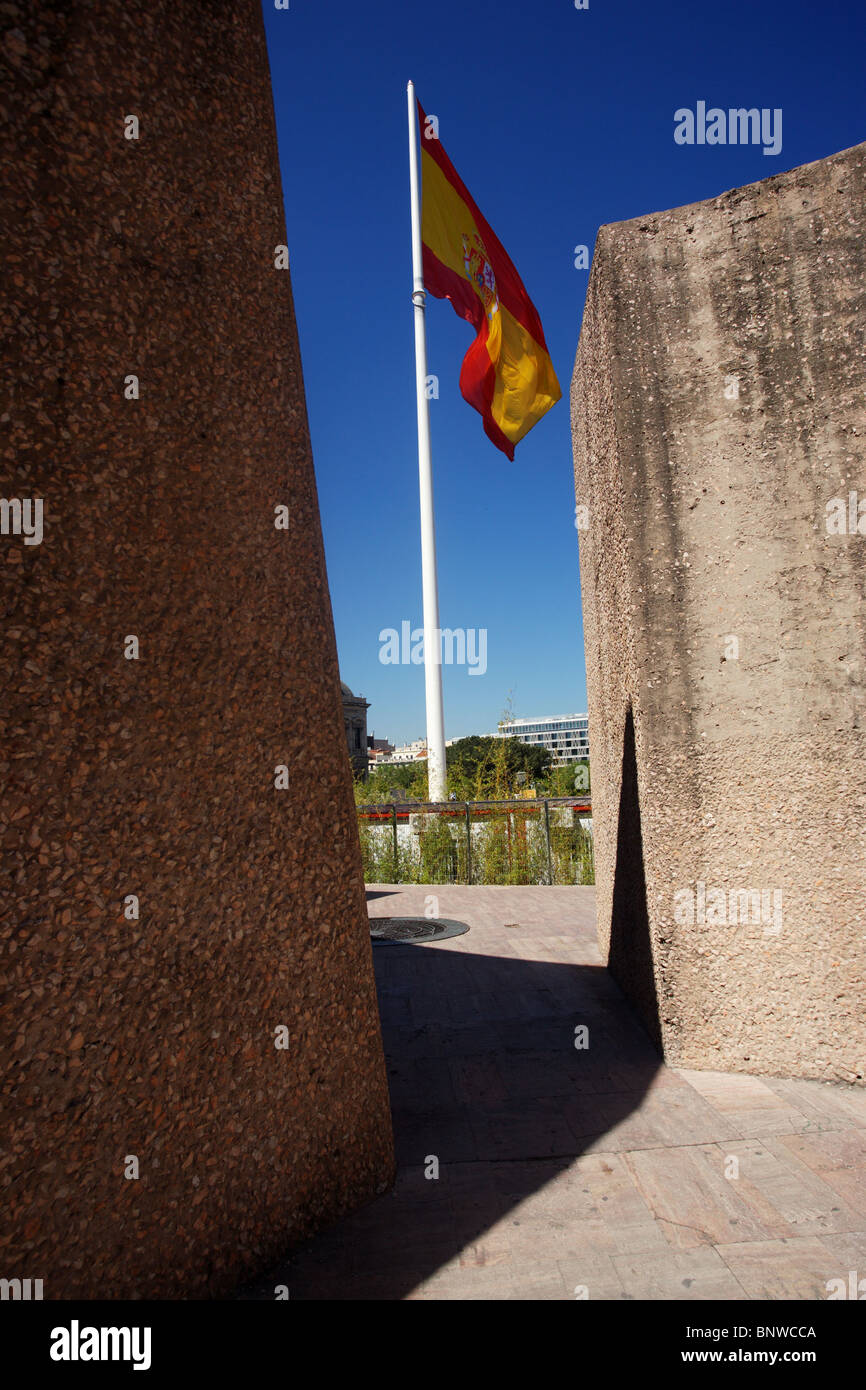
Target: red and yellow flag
point(507, 374)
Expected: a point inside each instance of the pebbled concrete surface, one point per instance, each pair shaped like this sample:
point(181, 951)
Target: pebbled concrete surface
point(152, 1037)
point(718, 407)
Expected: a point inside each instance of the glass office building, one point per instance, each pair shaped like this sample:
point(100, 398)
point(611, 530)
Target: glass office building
point(566, 735)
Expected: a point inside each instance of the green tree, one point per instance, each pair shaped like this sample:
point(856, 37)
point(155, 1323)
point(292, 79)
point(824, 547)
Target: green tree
point(572, 779)
point(408, 780)
point(483, 768)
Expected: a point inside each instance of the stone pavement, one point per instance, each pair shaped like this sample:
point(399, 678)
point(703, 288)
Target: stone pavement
point(562, 1168)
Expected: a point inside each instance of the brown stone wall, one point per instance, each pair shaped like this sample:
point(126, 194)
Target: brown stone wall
point(719, 404)
point(155, 1037)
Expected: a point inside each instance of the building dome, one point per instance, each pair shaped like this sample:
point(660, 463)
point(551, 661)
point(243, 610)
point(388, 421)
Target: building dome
point(346, 691)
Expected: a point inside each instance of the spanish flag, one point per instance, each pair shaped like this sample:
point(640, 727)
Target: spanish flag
point(507, 374)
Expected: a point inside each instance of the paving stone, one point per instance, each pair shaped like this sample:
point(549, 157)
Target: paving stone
point(774, 1269)
point(538, 1282)
point(697, 1205)
point(478, 1080)
point(828, 1106)
point(732, 1092)
point(807, 1200)
point(829, 1150)
point(683, 1275)
point(562, 1167)
point(596, 1274)
point(849, 1249)
point(531, 1129)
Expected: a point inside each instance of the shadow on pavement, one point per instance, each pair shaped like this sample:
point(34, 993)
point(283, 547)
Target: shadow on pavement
point(485, 1078)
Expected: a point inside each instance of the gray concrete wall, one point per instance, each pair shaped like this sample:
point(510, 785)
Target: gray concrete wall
point(719, 405)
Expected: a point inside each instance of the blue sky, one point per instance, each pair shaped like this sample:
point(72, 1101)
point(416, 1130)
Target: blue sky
point(558, 120)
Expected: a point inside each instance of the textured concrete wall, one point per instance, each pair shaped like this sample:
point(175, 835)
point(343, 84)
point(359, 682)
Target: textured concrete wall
point(718, 406)
point(155, 1037)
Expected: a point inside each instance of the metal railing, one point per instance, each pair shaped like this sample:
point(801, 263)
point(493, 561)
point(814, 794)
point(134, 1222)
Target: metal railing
point(520, 840)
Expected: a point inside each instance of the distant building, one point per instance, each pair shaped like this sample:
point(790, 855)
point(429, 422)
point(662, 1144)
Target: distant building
point(566, 735)
point(355, 723)
point(378, 752)
point(409, 752)
point(405, 754)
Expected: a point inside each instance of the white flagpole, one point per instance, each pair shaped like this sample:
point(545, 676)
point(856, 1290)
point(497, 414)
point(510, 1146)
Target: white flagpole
point(436, 779)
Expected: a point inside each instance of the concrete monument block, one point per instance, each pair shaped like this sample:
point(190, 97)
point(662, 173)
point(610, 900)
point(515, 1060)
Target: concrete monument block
point(190, 1057)
point(719, 417)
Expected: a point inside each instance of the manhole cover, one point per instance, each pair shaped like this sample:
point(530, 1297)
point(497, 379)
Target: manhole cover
point(393, 930)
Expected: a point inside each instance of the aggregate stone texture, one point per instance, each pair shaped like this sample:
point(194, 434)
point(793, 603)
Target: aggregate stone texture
point(718, 407)
point(155, 1038)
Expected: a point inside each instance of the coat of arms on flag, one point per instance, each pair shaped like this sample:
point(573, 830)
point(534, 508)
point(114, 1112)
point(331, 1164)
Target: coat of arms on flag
point(507, 374)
